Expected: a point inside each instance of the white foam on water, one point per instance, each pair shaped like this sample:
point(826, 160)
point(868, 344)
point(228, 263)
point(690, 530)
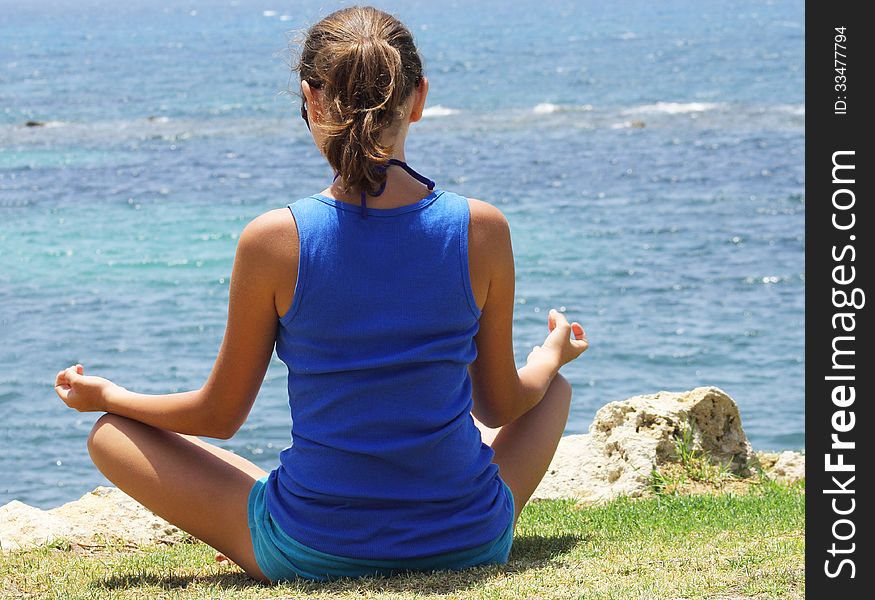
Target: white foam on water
point(439, 111)
point(546, 108)
point(673, 108)
point(629, 125)
point(269, 13)
point(797, 110)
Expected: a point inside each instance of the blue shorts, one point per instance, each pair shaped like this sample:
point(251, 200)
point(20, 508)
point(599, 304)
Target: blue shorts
point(282, 558)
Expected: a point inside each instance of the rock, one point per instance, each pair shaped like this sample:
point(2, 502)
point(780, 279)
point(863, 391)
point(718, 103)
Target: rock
point(637, 124)
point(34, 123)
point(788, 467)
point(98, 517)
point(23, 526)
point(628, 439)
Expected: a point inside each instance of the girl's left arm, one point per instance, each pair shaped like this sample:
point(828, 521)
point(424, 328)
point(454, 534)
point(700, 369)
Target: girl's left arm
point(221, 405)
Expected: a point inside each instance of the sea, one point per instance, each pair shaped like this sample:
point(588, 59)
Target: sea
point(648, 156)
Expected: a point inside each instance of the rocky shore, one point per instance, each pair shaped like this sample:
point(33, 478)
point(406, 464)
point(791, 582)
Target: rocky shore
point(628, 442)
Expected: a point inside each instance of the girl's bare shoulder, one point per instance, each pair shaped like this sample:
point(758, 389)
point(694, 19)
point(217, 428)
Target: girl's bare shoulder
point(272, 230)
point(487, 224)
point(271, 238)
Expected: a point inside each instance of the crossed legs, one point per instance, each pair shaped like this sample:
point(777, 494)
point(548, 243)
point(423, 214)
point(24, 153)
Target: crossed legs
point(204, 489)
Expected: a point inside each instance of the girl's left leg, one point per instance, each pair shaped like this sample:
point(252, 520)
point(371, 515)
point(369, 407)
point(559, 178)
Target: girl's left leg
point(198, 487)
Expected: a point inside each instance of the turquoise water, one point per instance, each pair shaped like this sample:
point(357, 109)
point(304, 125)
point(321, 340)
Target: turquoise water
point(679, 245)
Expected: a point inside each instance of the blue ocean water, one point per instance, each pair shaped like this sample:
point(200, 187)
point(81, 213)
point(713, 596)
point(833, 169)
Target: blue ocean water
point(648, 155)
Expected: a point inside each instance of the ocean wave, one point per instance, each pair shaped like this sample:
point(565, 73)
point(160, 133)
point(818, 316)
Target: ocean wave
point(673, 108)
point(546, 108)
point(236, 119)
point(797, 110)
point(636, 124)
point(139, 129)
point(439, 111)
point(34, 124)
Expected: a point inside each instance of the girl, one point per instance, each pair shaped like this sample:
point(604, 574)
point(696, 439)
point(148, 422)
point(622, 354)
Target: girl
point(415, 440)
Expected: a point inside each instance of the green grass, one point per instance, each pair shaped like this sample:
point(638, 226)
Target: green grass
point(669, 546)
point(694, 471)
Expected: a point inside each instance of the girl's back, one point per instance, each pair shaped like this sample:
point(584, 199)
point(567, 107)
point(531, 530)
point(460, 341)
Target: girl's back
point(386, 460)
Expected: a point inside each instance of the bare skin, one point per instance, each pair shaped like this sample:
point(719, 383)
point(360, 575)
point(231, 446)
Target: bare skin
point(150, 446)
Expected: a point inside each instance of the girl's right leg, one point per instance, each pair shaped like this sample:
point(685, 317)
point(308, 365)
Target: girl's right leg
point(194, 485)
point(524, 447)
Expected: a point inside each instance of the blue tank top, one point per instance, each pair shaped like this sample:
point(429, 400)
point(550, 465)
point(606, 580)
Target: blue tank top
point(385, 460)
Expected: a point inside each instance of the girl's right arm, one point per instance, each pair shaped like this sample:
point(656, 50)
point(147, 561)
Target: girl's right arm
point(222, 404)
point(501, 391)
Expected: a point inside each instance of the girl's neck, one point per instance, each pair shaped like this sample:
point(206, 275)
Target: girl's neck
point(401, 189)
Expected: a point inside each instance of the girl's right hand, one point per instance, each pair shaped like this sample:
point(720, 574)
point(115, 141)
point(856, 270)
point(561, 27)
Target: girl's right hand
point(559, 345)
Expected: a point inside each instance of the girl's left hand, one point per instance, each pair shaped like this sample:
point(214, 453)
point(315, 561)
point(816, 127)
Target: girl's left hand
point(84, 393)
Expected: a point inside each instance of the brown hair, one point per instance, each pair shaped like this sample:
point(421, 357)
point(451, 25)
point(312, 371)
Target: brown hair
point(366, 64)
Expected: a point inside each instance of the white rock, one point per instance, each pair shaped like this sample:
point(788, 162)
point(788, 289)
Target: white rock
point(23, 526)
point(102, 515)
point(789, 467)
point(628, 439)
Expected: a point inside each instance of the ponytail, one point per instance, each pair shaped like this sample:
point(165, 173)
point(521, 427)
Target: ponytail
point(367, 65)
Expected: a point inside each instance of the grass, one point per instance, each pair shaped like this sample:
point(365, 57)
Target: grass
point(670, 546)
point(694, 472)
